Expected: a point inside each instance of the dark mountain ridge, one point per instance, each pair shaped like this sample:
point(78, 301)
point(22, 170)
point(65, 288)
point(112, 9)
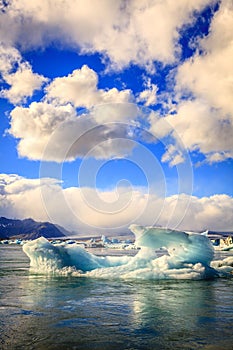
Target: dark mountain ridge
point(28, 229)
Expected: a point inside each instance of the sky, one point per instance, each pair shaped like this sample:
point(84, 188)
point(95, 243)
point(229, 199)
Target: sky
point(117, 112)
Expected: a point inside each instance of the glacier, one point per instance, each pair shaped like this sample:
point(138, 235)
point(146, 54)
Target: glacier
point(187, 256)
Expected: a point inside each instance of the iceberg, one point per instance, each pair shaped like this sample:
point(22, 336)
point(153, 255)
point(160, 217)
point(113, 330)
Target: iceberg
point(187, 256)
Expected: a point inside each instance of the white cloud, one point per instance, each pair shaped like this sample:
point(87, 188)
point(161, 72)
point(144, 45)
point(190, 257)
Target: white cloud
point(9, 57)
point(148, 96)
point(89, 212)
point(134, 31)
point(200, 128)
point(34, 125)
point(18, 75)
point(49, 132)
point(206, 123)
point(219, 157)
point(22, 84)
point(195, 127)
point(52, 130)
point(80, 88)
point(173, 156)
point(18, 194)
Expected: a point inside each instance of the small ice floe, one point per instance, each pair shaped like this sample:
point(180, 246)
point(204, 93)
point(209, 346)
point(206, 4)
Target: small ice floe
point(222, 243)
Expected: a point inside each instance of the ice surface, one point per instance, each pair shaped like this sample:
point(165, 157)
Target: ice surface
point(183, 247)
point(48, 257)
point(189, 257)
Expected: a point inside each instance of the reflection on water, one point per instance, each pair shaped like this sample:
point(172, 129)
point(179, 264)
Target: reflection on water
point(41, 312)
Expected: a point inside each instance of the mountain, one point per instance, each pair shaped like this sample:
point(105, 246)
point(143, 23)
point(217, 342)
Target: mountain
point(29, 229)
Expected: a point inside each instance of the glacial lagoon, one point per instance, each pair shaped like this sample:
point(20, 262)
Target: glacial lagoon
point(52, 311)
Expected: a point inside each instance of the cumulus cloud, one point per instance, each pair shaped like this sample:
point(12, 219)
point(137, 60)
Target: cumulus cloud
point(199, 128)
point(18, 76)
point(80, 88)
point(194, 126)
point(22, 84)
point(110, 211)
point(209, 75)
point(205, 123)
point(34, 125)
point(133, 31)
point(53, 132)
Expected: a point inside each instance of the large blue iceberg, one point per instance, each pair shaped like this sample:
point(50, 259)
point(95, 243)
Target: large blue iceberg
point(187, 256)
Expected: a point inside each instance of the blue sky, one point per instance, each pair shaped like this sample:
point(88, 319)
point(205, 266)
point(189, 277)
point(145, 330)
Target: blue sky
point(100, 99)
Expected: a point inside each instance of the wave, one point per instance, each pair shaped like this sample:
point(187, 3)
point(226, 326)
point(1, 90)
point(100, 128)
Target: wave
point(189, 256)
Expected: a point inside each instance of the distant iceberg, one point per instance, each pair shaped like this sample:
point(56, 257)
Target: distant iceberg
point(188, 256)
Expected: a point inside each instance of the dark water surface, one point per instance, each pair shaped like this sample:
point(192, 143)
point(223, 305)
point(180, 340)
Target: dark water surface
point(42, 312)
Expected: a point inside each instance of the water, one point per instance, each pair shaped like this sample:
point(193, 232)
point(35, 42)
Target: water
point(51, 312)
